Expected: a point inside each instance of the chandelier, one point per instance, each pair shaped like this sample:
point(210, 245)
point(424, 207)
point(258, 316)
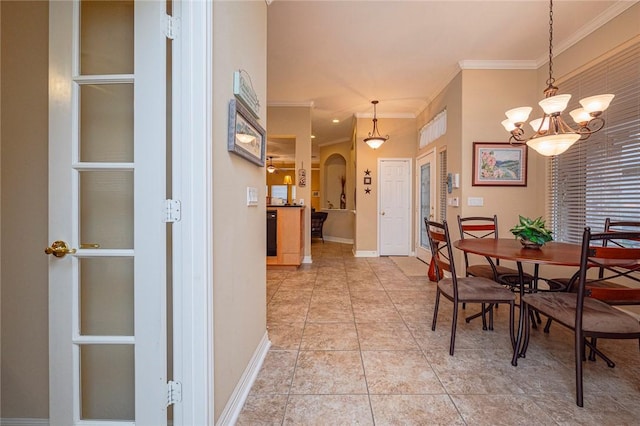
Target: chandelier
point(375, 140)
point(552, 135)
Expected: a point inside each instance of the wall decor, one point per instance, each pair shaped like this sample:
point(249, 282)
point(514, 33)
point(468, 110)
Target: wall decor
point(246, 137)
point(367, 180)
point(499, 164)
point(244, 92)
point(302, 176)
point(315, 194)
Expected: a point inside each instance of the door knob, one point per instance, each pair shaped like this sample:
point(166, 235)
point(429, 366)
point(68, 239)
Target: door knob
point(382, 213)
point(59, 249)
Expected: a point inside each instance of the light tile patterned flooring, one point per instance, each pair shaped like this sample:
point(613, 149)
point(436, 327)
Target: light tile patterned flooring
point(352, 344)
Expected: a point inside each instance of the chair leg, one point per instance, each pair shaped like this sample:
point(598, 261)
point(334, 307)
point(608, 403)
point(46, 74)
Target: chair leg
point(435, 311)
point(483, 309)
point(593, 351)
point(579, 351)
point(491, 317)
point(512, 308)
point(548, 326)
point(534, 323)
point(454, 322)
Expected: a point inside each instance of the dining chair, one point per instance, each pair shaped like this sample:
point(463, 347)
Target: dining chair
point(317, 223)
point(588, 317)
point(487, 227)
point(570, 284)
point(459, 290)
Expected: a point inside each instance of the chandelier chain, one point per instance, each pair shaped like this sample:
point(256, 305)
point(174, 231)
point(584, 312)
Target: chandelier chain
point(551, 80)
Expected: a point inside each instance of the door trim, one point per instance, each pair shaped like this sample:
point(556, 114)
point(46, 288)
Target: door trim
point(192, 136)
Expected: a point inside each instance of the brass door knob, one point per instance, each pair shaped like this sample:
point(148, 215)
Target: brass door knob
point(59, 249)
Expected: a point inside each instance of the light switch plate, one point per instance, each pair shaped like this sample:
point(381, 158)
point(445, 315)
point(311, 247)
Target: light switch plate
point(252, 196)
point(475, 201)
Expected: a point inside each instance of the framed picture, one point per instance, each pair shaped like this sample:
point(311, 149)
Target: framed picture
point(499, 164)
point(315, 194)
point(367, 180)
point(246, 137)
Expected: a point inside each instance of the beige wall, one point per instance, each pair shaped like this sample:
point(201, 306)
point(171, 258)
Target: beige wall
point(239, 265)
point(402, 143)
point(295, 122)
point(25, 379)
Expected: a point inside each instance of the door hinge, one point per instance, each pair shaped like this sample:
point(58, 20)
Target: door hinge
point(174, 392)
point(172, 211)
point(171, 26)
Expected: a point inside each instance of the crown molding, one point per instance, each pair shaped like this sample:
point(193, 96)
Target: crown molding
point(471, 64)
point(306, 104)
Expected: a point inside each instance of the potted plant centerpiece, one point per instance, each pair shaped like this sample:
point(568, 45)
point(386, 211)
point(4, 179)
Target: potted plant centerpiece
point(532, 233)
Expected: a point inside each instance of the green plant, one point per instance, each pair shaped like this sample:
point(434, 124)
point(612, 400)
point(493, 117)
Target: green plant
point(532, 230)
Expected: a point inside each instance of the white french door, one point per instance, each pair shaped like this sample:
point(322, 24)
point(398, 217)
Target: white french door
point(425, 202)
point(107, 185)
point(394, 206)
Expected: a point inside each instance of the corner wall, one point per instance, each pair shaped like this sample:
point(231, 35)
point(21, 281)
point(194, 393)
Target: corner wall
point(239, 231)
point(295, 122)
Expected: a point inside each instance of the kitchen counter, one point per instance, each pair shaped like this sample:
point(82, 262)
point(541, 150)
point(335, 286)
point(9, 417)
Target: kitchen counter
point(290, 236)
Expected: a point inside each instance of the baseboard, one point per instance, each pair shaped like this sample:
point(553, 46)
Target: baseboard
point(232, 410)
point(365, 253)
point(338, 239)
point(24, 422)
point(307, 259)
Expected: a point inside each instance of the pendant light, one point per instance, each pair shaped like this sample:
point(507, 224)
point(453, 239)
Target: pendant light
point(375, 140)
point(271, 168)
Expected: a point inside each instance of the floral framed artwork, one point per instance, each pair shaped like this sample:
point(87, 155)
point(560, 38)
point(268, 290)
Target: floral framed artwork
point(246, 137)
point(499, 164)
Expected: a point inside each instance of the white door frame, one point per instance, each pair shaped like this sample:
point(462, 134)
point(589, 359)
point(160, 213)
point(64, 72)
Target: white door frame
point(409, 194)
point(193, 235)
point(419, 220)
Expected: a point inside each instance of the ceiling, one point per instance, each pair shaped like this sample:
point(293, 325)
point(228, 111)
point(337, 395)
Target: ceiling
point(338, 56)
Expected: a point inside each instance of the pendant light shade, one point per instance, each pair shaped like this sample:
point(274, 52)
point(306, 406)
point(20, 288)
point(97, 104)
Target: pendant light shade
point(375, 140)
point(271, 168)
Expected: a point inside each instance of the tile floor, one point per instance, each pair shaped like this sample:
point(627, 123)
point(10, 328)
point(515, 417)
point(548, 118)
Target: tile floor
point(352, 344)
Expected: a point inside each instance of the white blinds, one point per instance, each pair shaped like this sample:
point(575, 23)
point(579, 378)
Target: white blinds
point(433, 129)
point(600, 177)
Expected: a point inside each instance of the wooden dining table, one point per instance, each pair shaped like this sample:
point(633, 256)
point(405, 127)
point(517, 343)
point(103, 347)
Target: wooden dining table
point(551, 253)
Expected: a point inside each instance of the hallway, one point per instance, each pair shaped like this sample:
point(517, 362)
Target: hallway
point(352, 344)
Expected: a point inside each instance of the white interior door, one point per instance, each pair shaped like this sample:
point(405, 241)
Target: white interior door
point(107, 291)
point(395, 206)
point(425, 202)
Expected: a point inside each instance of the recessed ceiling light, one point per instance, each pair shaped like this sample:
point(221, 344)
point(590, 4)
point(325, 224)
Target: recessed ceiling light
point(313, 136)
point(335, 120)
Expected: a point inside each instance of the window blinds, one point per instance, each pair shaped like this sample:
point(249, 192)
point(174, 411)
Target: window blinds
point(600, 177)
point(442, 157)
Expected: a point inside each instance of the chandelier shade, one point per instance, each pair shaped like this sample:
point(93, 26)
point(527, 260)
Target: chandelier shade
point(271, 168)
point(553, 144)
point(375, 140)
point(552, 135)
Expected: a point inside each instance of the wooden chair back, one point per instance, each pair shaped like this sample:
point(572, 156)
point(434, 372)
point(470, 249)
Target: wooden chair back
point(440, 244)
point(617, 255)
